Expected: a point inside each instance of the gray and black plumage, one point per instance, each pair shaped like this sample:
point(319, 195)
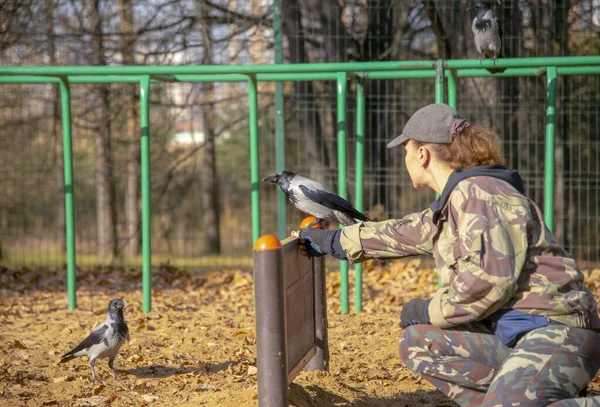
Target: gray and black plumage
point(314, 199)
point(105, 340)
point(487, 33)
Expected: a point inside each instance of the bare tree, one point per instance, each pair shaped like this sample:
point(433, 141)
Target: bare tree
point(309, 121)
point(210, 190)
point(105, 200)
point(129, 102)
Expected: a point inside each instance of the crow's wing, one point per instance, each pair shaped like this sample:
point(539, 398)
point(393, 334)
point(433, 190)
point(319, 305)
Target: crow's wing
point(93, 339)
point(482, 24)
point(332, 201)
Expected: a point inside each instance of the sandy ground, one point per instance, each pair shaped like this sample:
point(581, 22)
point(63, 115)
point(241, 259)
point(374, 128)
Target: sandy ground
point(197, 346)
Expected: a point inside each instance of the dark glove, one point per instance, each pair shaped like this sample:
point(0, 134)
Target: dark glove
point(313, 239)
point(415, 312)
point(319, 242)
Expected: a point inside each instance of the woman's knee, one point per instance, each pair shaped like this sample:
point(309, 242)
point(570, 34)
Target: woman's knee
point(412, 342)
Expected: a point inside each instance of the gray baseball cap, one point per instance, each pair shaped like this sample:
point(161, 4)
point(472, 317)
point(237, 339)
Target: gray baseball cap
point(435, 123)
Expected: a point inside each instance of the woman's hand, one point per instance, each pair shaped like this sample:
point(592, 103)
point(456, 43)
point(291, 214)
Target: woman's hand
point(311, 242)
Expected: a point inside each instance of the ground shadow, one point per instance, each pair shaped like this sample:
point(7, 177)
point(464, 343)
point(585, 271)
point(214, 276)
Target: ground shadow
point(161, 371)
point(315, 396)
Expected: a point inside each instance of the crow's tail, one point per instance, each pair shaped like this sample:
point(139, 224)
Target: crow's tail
point(66, 357)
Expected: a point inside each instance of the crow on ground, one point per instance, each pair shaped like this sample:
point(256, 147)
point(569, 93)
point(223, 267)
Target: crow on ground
point(105, 340)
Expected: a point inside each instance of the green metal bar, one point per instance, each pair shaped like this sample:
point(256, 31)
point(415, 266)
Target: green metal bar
point(342, 87)
point(439, 98)
point(65, 96)
point(452, 95)
point(215, 69)
point(146, 193)
point(522, 62)
point(510, 72)
point(297, 68)
point(439, 82)
point(359, 190)
point(254, 163)
point(549, 159)
point(316, 76)
point(279, 120)
point(579, 70)
point(417, 74)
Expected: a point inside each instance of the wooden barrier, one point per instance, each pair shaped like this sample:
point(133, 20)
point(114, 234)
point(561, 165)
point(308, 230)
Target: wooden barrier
point(291, 316)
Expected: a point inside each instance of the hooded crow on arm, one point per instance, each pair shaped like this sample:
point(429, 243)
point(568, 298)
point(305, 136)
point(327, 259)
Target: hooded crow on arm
point(314, 199)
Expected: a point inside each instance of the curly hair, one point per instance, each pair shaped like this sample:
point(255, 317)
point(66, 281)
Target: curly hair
point(472, 147)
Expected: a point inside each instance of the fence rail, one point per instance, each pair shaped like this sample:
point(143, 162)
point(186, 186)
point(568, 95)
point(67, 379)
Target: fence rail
point(445, 73)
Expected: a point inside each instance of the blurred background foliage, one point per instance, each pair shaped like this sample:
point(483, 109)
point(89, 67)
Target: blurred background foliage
point(199, 132)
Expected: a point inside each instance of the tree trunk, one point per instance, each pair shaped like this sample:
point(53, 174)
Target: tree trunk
point(130, 107)
point(309, 121)
point(561, 152)
point(378, 41)
point(105, 187)
point(210, 185)
point(511, 25)
point(56, 120)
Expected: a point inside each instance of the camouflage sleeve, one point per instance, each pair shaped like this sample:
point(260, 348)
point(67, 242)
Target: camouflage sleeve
point(489, 255)
point(395, 238)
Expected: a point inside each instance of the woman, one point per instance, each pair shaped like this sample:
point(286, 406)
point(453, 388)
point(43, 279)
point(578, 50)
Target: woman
point(513, 323)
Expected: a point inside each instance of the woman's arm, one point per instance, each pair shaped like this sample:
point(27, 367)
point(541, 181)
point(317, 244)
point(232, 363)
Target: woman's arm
point(395, 238)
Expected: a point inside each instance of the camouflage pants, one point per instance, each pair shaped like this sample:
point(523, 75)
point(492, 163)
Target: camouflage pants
point(548, 366)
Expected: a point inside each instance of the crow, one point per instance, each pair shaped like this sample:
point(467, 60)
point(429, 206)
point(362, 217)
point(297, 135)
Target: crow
point(314, 199)
point(487, 33)
point(105, 340)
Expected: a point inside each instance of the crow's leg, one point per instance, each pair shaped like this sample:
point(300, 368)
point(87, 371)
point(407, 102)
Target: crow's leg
point(92, 362)
point(313, 223)
point(112, 369)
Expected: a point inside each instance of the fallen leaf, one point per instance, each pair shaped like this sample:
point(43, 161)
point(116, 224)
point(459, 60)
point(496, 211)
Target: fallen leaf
point(149, 398)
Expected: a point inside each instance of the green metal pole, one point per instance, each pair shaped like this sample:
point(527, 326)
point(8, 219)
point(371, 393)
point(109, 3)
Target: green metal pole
point(341, 147)
point(279, 121)
point(439, 98)
point(65, 96)
point(360, 171)
point(549, 156)
point(439, 82)
point(254, 164)
point(146, 193)
point(452, 95)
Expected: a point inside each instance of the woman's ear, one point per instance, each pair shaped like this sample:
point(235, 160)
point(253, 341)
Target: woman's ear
point(424, 156)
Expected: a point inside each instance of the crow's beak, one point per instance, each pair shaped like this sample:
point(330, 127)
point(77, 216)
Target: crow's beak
point(271, 178)
point(470, 8)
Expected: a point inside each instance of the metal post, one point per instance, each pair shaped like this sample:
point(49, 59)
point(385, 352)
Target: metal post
point(341, 147)
point(452, 95)
point(146, 193)
point(439, 98)
point(439, 82)
point(551, 75)
point(279, 120)
point(254, 165)
point(65, 96)
point(271, 352)
point(360, 170)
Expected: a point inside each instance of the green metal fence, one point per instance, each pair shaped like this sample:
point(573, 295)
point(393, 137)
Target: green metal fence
point(441, 73)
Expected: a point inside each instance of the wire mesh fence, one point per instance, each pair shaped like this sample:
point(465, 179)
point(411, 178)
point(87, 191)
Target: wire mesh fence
point(32, 210)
